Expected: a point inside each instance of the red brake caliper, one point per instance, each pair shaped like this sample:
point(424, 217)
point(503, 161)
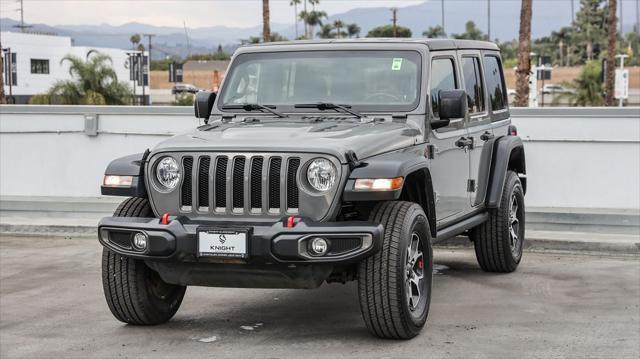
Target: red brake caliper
point(420, 263)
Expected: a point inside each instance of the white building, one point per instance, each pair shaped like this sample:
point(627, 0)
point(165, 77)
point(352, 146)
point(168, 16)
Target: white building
point(36, 63)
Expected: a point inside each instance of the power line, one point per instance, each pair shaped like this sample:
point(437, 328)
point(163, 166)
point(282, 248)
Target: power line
point(22, 26)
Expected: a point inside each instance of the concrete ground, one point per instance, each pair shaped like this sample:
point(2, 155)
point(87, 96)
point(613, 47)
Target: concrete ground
point(569, 305)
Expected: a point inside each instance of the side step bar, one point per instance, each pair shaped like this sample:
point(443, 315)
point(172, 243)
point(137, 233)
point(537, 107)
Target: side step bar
point(460, 227)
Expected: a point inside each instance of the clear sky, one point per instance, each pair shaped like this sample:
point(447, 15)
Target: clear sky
point(196, 13)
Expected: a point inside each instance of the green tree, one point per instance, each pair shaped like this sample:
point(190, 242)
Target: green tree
point(587, 87)
point(471, 32)
point(434, 32)
point(326, 32)
point(135, 40)
point(94, 82)
point(312, 19)
point(387, 31)
point(353, 30)
point(589, 32)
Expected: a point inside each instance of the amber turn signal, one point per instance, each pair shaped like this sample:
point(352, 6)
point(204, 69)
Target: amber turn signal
point(378, 184)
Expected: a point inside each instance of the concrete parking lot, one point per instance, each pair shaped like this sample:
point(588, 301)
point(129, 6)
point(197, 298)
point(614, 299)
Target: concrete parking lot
point(555, 305)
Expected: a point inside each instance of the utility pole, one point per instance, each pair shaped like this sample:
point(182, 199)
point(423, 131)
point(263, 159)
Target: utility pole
point(489, 20)
point(147, 66)
point(620, 18)
point(22, 26)
point(394, 20)
point(442, 9)
point(573, 16)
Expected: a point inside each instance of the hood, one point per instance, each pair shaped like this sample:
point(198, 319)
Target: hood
point(284, 135)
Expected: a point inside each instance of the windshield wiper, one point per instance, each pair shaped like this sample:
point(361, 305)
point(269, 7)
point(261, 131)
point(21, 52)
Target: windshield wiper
point(330, 106)
point(255, 107)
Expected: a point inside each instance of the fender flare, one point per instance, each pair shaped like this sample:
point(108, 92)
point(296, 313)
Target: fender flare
point(132, 165)
point(391, 165)
point(508, 153)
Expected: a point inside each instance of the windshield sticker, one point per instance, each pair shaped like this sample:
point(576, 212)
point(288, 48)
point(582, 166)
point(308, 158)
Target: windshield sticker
point(397, 64)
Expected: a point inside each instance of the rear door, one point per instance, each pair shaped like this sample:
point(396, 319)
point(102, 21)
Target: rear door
point(449, 167)
point(479, 127)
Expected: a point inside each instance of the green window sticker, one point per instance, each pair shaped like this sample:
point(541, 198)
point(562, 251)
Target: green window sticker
point(397, 64)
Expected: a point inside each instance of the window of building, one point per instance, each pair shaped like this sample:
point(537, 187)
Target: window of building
point(443, 78)
point(473, 83)
point(39, 66)
point(495, 83)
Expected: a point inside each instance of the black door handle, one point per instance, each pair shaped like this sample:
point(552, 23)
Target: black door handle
point(464, 142)
point(486, 136)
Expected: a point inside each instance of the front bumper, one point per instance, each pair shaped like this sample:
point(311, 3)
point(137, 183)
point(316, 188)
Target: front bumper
point(267, 244)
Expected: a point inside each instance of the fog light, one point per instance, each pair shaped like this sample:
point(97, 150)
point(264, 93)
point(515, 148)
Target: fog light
point(318, 246)
point(140, 241)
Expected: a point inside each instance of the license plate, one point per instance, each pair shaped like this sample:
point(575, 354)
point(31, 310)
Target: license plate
point(222, 243)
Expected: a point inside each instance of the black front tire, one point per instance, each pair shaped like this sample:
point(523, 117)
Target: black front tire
point(387, 281)
point(135, 293)
point(499, 241)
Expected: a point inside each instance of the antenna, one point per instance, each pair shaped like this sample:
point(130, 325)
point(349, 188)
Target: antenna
point(22, 26)
point(186, 34)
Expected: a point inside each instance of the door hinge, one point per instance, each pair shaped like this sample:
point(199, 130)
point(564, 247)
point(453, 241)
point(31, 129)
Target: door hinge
point(471, 185)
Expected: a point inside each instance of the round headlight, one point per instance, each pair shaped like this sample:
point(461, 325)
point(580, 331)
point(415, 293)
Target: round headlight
point(168, 172)
point(321, 174)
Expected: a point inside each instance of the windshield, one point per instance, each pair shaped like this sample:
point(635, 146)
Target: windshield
point(365, 80)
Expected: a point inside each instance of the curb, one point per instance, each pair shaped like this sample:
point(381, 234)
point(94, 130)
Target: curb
point(629, 246)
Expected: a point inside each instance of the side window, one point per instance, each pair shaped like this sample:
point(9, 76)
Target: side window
point(495, 83)
point(443, 78)
point(473, 83)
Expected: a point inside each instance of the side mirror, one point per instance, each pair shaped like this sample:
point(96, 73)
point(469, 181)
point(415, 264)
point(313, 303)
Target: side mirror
point(453, 104)
point(204, 104)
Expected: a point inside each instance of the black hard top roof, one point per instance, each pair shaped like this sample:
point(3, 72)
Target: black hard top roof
point(432, 44)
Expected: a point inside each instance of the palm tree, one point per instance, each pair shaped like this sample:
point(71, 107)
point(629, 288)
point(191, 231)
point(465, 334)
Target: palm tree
point(524, 61)
point(326, 32)
point(266, 28)
point(314, 18)
point(611, 55)
point(295, 4)
point(94, 83)
point(338, 25)
point(135, 40)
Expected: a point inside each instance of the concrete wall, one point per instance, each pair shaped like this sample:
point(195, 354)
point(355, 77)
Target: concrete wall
point(576, 158)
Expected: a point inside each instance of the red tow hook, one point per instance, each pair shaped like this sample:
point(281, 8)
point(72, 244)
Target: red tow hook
point(165, 218)
point(291, 221)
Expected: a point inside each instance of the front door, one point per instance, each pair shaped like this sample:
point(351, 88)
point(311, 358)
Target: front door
point(450, 164)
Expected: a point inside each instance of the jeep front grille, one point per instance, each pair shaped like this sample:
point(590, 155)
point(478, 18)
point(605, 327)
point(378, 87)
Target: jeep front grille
point(240, 184)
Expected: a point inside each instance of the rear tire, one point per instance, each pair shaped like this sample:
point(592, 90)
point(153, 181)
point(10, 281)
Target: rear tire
point(394, 285)
point(499, 241)
point(135, 293)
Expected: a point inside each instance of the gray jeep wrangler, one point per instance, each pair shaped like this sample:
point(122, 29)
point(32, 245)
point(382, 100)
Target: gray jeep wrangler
point(323, 161)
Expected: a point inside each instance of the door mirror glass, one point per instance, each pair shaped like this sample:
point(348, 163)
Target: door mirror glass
point(204, 104)
point(453, 104)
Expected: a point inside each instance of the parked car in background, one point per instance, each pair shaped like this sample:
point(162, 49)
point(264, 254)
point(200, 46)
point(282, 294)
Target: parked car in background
point(555, 89)
point(184, 88)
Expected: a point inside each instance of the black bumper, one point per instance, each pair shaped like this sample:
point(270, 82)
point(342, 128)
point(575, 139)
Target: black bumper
point(267, 243)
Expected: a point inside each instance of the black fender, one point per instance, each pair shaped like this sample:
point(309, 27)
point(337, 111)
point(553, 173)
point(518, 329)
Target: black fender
point(132, 165)
point(391, 165)
point(508, 153)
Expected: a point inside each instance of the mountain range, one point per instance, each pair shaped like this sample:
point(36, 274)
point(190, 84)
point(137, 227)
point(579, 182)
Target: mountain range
point(175, 41)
